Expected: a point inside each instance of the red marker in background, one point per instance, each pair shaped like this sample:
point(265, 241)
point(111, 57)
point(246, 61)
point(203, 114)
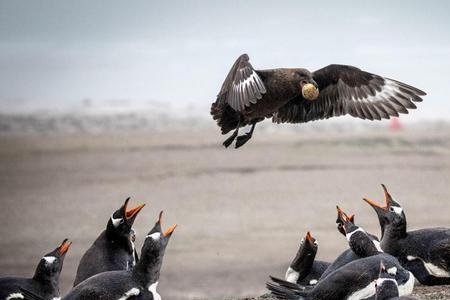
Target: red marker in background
point(395, 124)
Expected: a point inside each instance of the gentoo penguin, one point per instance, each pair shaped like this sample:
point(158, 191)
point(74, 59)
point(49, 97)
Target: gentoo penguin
point(362, 243)
point(341, 218)
point(386, 286)
point(45, 281)
point(304, 269)
point(114, 248)
point(139, 283)
point(355, 280)
point(425, 252)
point(347, 255)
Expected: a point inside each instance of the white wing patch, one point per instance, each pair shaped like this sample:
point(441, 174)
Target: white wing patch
point(431, 268)
point(130, 293)
point(49, 259)
point(154, 236)
point(14, 296)
point(313, 282)
point(291, 275)
point(152, 289)
point(252, 87)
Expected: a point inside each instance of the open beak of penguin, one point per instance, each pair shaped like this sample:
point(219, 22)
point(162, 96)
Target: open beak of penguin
point(130, 214)
point(65, 245)
point(378, 207)
point(158, 226)
point(343, 219)
point(309, 238)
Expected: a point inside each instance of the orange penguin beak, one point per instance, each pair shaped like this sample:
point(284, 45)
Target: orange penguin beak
point(309, 238)
point(64, 247)
point(170, 230)
point(386, 200)
point(133, 212)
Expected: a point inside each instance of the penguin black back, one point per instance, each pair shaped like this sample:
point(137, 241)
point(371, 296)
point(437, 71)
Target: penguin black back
point(113, 250)
point(45, 281)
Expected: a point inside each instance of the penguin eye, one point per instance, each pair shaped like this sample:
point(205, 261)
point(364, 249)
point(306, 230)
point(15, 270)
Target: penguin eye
point(391, 209)
point(316, 244)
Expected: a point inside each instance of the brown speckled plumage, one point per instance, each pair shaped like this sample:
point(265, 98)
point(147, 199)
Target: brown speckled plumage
point(249, 96)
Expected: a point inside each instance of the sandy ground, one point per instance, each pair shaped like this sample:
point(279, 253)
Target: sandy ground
point(241, 213)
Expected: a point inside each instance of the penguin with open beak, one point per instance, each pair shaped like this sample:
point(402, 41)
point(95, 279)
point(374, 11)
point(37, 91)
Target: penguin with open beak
point(349, 279)
point(304, 269)
point(425, 252)
point(44, 283)
point(140, 283)
point(114, 249)
point(347, 255)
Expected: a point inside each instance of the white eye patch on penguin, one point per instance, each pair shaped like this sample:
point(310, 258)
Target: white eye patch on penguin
point(116, 221)
point(154, 236)
point(49, 259)
point(396, 209)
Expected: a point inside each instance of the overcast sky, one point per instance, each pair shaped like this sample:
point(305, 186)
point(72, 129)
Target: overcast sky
point(55, 53)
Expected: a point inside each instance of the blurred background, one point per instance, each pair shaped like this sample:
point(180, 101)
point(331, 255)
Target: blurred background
point(101, 101)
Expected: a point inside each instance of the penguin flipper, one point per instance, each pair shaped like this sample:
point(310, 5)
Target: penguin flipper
point(287, 284)
point(30, 295)
point(285, 290)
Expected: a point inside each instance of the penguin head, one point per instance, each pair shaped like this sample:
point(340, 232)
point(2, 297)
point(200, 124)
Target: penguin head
point(362, 243)
point(121, 222)
point(341, 219)
point(389, 213)
point(386, 285)
point(306, 253)
point(156, 240)
point(51, 264)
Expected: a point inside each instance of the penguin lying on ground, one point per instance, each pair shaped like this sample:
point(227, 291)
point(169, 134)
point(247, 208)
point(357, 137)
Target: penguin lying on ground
point(304, 269)
point(137, 284)
point(45, 281)
point(387, 288)
point(425, 252)
point(354, 279)
point(114, 249)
